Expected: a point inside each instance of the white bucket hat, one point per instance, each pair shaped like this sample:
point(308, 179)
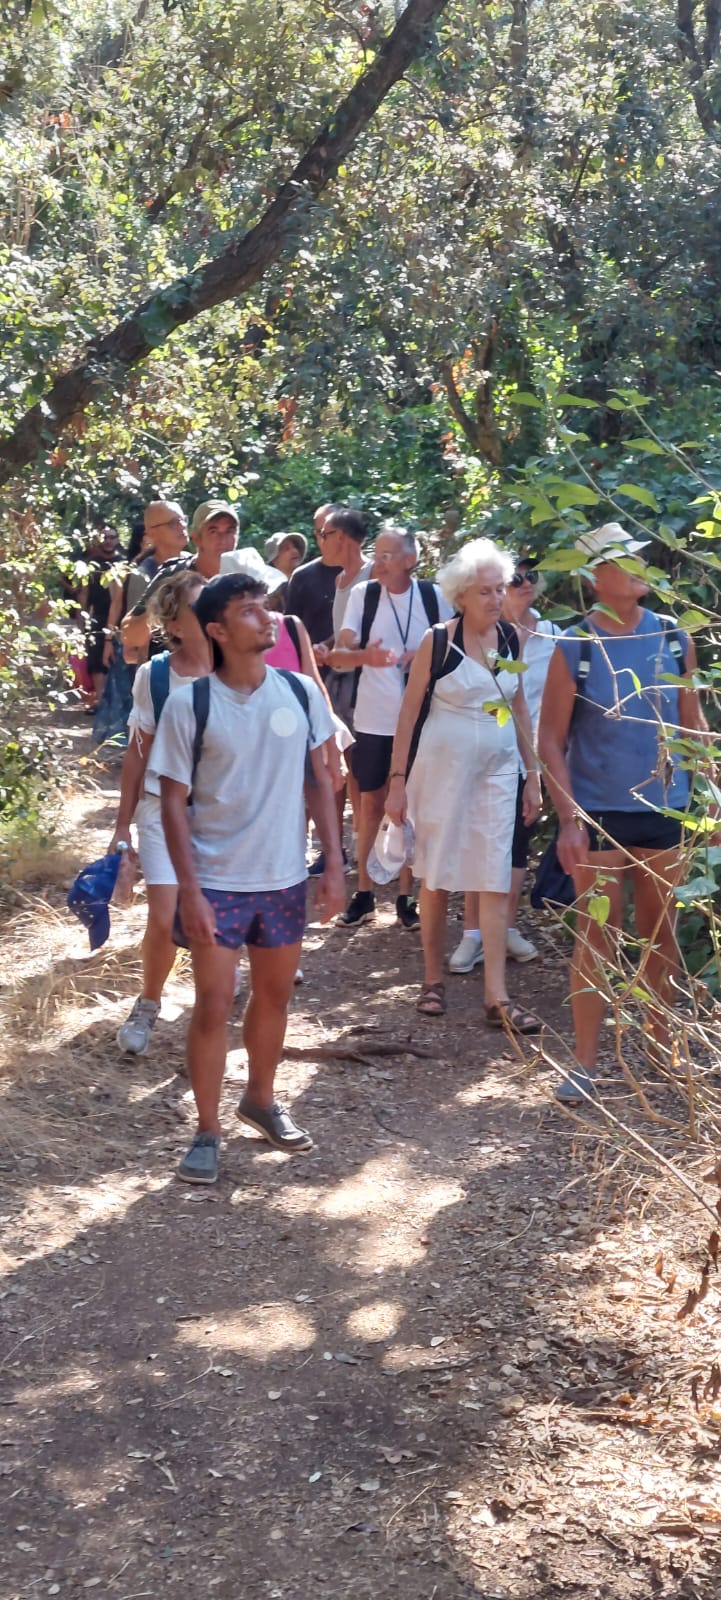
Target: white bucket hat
point(251, 562)
point(608, 544)
point(394, 847)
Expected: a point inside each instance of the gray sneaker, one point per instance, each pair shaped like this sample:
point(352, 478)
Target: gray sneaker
point(134, 1035)
point(276, 1126)
point(200, 1162)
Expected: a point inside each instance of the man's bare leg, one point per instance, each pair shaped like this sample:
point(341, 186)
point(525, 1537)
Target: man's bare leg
point(214, 974)
point(266, 1016)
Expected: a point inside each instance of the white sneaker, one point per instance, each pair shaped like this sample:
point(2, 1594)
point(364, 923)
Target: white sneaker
point(468, 955)
point(134, 1036)
point(518, 948)
point(298, 979)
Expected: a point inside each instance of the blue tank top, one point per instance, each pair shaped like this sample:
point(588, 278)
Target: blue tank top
point(617, 758)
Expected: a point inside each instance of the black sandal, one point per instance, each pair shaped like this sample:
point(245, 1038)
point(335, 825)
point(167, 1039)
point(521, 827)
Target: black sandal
point(512, 1019)
point(431, 1001)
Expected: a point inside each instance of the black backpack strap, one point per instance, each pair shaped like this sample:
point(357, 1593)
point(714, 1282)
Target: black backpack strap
point(301, 694)
point(201, 709)
point(674, 640)
point(509, 647)
point(584, 664)
point(427, 591)
point(298, 688)
point(159, 682)
point(293, 631)
point(440, 646)
point(371, 601)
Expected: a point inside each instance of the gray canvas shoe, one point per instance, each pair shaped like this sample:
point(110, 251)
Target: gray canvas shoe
point(200, 1162)
point(276, 1126)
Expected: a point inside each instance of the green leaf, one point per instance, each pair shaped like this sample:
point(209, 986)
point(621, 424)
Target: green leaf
point(561, 561)
point(598, 907)
point(698, 889)
point(512, 666)
point(693, 619)
point(499, 710)
point(635, 491)
point(649, 445)
point(575, 494)
point(564, 399)
point(523, 398)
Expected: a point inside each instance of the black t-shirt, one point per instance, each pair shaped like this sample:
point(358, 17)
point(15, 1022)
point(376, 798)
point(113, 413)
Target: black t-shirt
point(310, 596)
point(98, 602)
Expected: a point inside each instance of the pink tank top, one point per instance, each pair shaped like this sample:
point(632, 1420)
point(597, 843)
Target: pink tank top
point(283, 653)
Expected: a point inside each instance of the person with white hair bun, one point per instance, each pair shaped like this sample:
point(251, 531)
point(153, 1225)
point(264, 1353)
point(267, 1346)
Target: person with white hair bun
point(460, 794)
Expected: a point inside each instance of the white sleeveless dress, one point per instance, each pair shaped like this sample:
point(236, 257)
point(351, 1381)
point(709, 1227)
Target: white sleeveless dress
point(463, 783)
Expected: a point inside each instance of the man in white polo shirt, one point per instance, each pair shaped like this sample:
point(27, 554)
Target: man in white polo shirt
point(384, 623)
point(239, 747)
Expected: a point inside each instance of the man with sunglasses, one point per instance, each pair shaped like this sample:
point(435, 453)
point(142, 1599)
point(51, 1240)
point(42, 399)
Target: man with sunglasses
point(214, 531)
point(537, 638)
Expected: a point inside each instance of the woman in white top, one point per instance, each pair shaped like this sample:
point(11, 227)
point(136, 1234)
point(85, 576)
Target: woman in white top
point(461, 792)
point(537, 638)
point(189, 658)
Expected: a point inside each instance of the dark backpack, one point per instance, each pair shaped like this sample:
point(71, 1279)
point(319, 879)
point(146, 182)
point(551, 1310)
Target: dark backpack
point(371, 601)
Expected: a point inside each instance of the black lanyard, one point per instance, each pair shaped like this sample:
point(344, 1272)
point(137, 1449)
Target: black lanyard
point(404, 635)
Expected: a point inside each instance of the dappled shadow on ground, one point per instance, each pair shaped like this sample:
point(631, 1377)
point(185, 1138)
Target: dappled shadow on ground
point(369, 1371)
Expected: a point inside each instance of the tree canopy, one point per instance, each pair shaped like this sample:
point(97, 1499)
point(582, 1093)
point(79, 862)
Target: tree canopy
point(244, 246)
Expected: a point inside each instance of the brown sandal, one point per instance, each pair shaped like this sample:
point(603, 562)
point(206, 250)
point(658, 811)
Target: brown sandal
point(431, 1001)
point(512, 1019)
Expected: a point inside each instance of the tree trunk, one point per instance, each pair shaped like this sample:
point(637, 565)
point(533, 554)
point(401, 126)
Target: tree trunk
point(107, 359)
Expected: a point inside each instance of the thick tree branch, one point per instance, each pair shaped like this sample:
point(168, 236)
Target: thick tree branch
point(108, 358)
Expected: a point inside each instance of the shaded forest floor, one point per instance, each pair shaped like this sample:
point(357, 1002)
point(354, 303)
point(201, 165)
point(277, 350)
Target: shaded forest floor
point(431, 1361)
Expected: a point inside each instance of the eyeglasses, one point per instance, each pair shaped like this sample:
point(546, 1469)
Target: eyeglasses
point(529, 576)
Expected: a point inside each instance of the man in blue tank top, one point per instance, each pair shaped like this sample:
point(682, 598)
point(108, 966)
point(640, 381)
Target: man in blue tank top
point(619, 693)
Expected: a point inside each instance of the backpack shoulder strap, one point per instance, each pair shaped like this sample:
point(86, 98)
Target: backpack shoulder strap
point(293, 631)
point(427, 591)
point(371, 601)
point(440, 645)
point(298, 687)
point(508, 641)
point(201, 708)
point(674, 640)
point(584, 662)
point(159, 682)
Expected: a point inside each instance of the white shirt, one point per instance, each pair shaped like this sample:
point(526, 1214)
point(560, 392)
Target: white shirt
point(399, 623)
point(247, 820)
point(537, 652)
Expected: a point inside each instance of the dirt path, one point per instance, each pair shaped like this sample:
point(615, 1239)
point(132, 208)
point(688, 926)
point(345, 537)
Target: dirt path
point(427, 1362)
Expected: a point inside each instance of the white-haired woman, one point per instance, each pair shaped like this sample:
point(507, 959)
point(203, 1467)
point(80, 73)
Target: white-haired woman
point(461, 793)
point(537, 638)
point(171, 607)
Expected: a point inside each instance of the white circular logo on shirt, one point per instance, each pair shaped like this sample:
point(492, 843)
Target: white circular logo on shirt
point(283, 721)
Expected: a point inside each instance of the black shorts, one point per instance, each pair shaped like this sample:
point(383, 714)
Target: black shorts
point(339, 688)
point(94, 647)
point(522, 834)
point(633, 830)
point(371, 760)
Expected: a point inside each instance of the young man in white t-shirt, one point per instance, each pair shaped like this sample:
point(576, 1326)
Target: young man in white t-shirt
point(239, 854)
point(399, 623)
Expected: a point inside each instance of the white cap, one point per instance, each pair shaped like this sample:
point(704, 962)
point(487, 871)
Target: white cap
point(608, 544)
point(393, 848)
point(251, 562)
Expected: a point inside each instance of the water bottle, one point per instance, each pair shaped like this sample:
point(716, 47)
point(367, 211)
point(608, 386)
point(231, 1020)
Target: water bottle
point(122, 895)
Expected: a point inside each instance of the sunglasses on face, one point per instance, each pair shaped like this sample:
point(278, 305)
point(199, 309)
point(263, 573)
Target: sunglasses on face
point(529, 575)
